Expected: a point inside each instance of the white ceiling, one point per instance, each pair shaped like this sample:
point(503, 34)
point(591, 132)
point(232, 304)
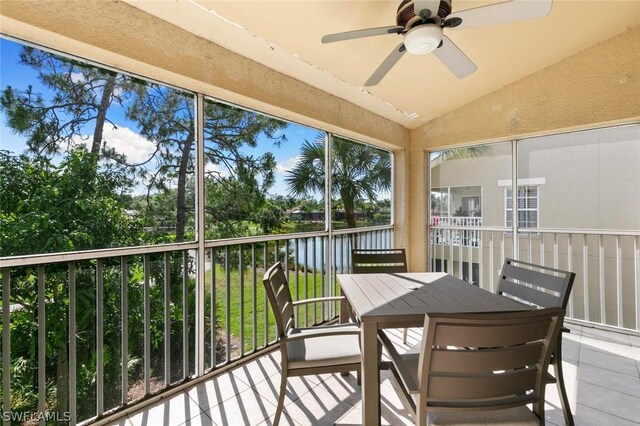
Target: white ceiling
point(285, 35)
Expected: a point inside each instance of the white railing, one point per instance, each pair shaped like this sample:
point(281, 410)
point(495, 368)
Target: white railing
point(125, 320)
point(453, 235)
point(606, 290)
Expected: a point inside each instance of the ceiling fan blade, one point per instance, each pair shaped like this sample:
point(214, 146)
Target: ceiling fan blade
point(386, 65)
point(454, 59)
point(369, 32)
point(502, 13)
point(431, 5)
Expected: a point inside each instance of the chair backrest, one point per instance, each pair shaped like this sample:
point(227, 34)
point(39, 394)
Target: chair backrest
point(371, 261)
point(536, 285)
point(487, 361)
point(277, 288)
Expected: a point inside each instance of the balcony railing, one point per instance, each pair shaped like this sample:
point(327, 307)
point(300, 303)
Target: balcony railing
point(112, 328)
point(454, 235)
point(607, 265)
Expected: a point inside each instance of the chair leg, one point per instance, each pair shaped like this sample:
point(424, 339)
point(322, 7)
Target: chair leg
point(557, 366)
point(404, 336)
point(283, 390)
point(421, 412)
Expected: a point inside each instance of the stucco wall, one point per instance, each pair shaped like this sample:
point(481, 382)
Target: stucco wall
point(599, 85)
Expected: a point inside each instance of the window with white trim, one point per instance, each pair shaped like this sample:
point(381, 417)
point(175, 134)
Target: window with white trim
point(528, 204)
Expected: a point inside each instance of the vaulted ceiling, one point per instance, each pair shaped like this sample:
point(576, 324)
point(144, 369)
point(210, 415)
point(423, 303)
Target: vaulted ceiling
point(285, 35)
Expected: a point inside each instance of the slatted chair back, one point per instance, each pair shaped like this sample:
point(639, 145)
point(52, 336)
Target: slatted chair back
point(486, 361)
point(541, 287)
point(536, 285)
point(279, 295)
point(378, 261)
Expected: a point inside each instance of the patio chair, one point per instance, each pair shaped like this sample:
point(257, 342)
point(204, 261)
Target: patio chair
point(478, 368)
point(380, 261)
point(308, 351)
point(541, 287)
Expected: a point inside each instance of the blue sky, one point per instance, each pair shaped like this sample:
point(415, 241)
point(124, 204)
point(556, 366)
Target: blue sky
point(125, 138)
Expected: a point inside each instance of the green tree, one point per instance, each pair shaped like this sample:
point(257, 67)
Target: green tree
point(236, 182)
point(43, 208)
point(358, 172)
point(269, 217)
point(78, 97)
point(167, 117)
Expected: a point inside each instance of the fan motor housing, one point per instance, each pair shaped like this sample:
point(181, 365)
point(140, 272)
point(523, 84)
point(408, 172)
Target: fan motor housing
point(407, 18)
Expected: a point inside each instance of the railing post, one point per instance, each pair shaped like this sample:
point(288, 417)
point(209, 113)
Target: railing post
point(603, 309)
point(227, 314)
point(585, 276)
point(99, 338)
point(72, 345)
point(6, 344)
point(42, 359)
point(167, 319)
point(146, 323)
point(241, 301)
point(254, 301)
point(570, 268)
point(124, 337)
point(636, 267)
point(185, 314)
point(619, 281)
point(214, 310)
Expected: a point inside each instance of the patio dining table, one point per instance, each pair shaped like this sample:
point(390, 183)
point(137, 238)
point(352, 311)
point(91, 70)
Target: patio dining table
point(382, 301)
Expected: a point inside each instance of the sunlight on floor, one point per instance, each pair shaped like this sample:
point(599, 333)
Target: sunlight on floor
point(602, 370)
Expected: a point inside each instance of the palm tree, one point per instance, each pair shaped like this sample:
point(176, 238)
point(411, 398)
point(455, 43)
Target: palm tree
point(358, 172)
point(438, 157)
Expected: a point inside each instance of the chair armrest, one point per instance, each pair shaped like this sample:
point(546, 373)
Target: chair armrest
point(322, 332)
point(399, 364)
point(565, 329)
point(318, 300)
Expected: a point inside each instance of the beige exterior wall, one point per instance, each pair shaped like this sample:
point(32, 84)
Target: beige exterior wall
point(596, 86)
point(587, 180)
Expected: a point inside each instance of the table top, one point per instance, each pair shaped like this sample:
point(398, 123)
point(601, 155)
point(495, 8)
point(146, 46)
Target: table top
point(408, 296)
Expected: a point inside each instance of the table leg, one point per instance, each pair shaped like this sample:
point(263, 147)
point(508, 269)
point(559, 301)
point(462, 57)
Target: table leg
point(344, 309)
point(344, 316)
point(370, 374)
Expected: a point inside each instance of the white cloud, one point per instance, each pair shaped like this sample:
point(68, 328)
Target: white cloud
point(288, 164)
point(77, 77)
point(221, 171)
point(124, 141)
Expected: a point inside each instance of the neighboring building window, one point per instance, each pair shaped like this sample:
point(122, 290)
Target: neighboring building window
point(527, 204)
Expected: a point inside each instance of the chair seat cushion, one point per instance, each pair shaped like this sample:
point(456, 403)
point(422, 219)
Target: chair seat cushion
point(509, 416)
point(319, 350)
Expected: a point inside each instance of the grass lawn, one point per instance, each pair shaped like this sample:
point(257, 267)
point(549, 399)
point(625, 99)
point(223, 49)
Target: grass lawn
point(305, 289)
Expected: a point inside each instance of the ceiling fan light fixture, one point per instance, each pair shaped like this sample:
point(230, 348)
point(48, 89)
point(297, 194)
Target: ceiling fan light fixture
point(423, 39)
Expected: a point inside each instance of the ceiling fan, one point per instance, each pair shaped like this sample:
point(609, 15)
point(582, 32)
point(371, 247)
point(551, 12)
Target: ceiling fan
point(422, 23)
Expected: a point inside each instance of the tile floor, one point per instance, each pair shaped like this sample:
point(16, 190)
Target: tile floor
point(602, 370)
